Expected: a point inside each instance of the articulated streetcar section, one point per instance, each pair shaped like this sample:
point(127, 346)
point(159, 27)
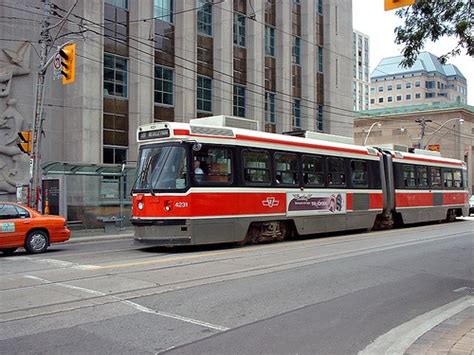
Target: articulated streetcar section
point(211, 182)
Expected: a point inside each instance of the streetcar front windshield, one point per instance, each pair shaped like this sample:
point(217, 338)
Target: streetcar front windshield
point(162, 168)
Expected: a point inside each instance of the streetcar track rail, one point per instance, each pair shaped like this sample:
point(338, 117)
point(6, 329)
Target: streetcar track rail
point(121, 296)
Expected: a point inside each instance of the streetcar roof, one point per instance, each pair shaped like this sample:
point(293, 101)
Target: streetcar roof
point(252, 138)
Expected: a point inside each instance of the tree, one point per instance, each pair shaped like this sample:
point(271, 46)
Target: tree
point(431, 20)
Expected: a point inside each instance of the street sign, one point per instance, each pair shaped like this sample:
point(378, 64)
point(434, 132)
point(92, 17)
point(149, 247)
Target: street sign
point(57, 67)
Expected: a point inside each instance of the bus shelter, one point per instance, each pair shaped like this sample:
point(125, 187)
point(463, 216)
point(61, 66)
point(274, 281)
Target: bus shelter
point(87, 194)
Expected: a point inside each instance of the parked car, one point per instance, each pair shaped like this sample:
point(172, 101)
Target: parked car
point(23, 227)
point(471, 205)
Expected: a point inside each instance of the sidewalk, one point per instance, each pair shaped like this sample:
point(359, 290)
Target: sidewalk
point(454, 336)
point(88, 235)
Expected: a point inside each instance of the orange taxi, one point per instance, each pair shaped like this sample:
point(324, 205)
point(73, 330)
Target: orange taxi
point(23, 227)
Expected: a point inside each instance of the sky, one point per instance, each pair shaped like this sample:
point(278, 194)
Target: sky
point(370, 18)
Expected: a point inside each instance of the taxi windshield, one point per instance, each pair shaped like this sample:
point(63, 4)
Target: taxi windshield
point(162, 167)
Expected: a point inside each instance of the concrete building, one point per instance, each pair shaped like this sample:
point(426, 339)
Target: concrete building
point(426, 82)
point(360, 71)
point(281, 62)
point(449, 129)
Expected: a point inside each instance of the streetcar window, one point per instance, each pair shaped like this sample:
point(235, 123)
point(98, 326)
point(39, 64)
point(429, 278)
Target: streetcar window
point(256, 166)
point(212, 165)
point(336, 175)
point(457, 178)
point(409, 179)
point(359, 173)
point(436, 178)
point(447, 178)
point(422, 176)
point(162, 167)
point(286, 168)
point(313, 170)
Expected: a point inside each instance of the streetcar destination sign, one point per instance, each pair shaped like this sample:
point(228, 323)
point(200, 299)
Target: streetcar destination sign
point(157, 133)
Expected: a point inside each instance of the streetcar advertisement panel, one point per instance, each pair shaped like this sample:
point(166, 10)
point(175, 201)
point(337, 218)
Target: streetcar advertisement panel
point(320, 203)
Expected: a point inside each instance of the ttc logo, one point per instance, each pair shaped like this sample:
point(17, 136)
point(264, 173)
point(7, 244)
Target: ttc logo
point(271, 202)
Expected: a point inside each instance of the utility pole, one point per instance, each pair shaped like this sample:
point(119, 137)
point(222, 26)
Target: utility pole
point(422, 123)
point(35, 165)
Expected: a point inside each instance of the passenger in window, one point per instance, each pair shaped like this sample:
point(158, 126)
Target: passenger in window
point(197, 168)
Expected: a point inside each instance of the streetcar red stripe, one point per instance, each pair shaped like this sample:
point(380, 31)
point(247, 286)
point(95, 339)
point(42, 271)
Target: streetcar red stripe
point(432, 161)
point(452, 198)
point(185, 132)
point(301, 144)
point(375, 201)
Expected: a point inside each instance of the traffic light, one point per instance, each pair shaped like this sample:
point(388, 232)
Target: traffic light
point(68, 62)
point(394, 4)
point(26, 144)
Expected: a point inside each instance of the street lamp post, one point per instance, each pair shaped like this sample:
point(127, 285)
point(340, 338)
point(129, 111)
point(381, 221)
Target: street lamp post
point(378, 124)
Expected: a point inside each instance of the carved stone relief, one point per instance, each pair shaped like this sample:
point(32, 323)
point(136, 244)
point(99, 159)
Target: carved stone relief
point(14, 165)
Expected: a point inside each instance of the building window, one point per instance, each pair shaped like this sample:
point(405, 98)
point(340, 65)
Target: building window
point(380, 88)
point(380, 100)
point(399, 86)
point(417, 95)
point(372, 101)
point(320, 7)
point(408, 97)
point(163, 85)
point(204, 18)
point(297, 113)
point(429, 95)
point(372, 89)
point(204, 94)
point(270, 107)
point(239, 30)
point(115, 76)
point(239, 101)
point(296, 50)
point(430, 84)
point(163, 10)
point(320, 59)
point(319, 121)
point(389, 99)
point(119, 3)
point(399, 97)
point(408, 85)
point(389, 87)
point(417, 84)
point(114, 155)
point(269, 41)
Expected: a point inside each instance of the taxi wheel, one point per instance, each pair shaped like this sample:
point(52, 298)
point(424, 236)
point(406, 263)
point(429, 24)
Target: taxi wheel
point(36, 242)
point(8, 251)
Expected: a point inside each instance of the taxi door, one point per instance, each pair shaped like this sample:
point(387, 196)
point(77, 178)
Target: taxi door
point(12, 226)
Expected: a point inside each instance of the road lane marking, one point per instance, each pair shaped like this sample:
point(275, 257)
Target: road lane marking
point(399, 339)
point(57, 263)
point(131, 304)
point(383, 247)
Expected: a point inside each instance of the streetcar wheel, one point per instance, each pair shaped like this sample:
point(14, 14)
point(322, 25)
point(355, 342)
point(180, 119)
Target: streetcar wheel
point(8, 251)
point(36, 242)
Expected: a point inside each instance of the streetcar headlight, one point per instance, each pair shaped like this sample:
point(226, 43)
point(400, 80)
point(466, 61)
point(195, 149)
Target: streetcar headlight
point(168, 205)
point(140, 205)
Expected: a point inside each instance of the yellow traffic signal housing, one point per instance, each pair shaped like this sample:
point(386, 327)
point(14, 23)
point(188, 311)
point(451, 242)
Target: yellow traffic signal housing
point(26, 144)
point(68, 62)
point(394, 4)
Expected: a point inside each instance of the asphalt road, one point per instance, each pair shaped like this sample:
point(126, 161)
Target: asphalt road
point(332, 295)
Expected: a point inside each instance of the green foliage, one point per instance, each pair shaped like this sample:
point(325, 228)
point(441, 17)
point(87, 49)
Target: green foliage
point(431, 20)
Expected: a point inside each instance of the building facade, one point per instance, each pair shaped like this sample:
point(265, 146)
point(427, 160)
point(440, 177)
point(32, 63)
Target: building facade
point(280, 62)
point(360, 71)
point(449, 129)
point(426, 82)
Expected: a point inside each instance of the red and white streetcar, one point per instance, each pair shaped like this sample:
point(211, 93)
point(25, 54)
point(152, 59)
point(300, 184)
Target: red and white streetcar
point(206, 182)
